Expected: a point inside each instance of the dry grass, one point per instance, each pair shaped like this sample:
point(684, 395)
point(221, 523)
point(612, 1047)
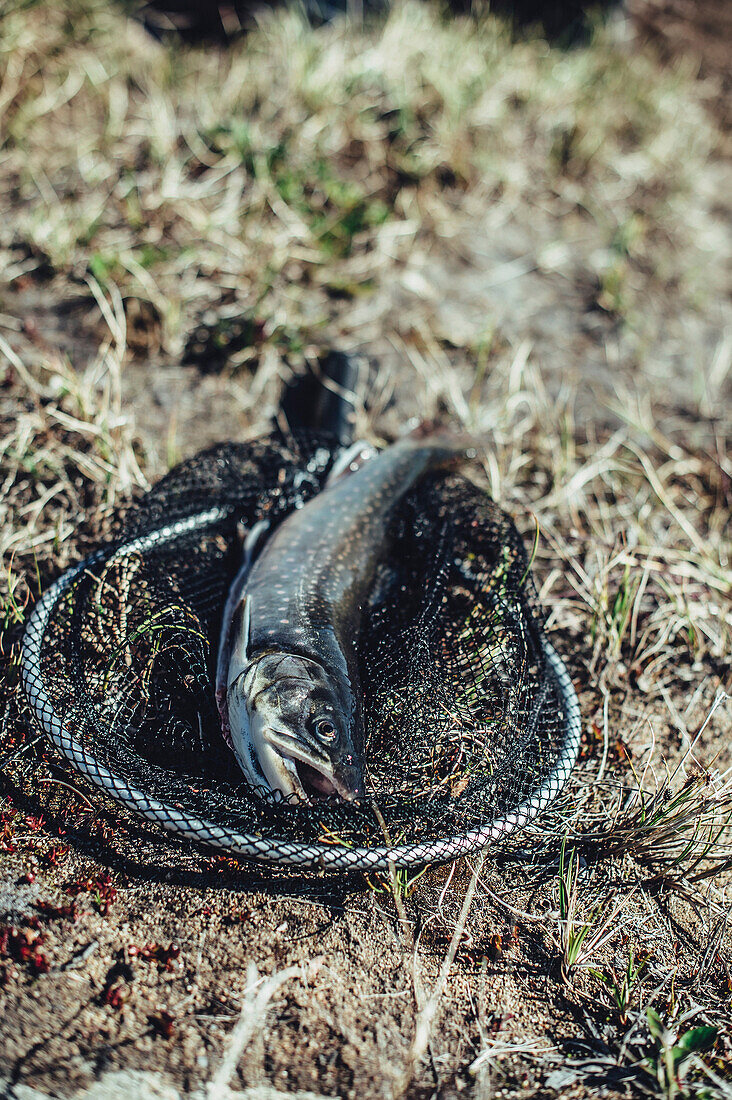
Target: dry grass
point(277, 178)
point(531, 242)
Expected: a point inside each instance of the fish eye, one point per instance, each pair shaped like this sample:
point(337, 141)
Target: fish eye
point(325, 730)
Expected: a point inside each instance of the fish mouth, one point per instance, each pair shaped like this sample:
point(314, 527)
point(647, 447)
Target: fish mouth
point(312, 780)
point(315, 784)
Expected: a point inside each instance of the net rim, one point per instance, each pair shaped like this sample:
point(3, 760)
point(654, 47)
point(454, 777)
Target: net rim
point(285, 852)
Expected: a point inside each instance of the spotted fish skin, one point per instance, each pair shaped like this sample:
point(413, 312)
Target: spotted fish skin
point(306, 591)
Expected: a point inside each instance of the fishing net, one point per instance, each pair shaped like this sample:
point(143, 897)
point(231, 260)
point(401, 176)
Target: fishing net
point(471, 721)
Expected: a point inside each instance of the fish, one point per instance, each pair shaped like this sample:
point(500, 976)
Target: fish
point(288, 684)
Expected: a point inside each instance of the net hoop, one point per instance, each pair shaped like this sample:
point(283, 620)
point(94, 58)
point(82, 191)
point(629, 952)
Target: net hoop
point(335, 857)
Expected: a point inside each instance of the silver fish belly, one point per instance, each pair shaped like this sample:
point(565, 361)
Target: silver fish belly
point(288, 682)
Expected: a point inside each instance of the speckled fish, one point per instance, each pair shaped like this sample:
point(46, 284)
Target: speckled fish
point(288, 684)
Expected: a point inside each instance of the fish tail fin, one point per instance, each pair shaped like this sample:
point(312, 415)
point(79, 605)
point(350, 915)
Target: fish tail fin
point(324, 398)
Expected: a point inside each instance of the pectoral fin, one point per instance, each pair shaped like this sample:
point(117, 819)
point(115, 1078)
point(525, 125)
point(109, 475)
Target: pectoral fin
point(239, 640)
point(251, 544)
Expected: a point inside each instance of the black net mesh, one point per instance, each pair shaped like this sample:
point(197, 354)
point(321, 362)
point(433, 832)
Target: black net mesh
point(471, 723)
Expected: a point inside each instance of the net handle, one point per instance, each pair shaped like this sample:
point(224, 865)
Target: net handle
point(285, 852)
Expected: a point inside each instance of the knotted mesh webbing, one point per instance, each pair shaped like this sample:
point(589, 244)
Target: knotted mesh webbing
point(472, 725)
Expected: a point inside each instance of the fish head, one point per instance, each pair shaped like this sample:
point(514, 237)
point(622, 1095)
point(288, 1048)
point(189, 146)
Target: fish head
point(293, 729)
